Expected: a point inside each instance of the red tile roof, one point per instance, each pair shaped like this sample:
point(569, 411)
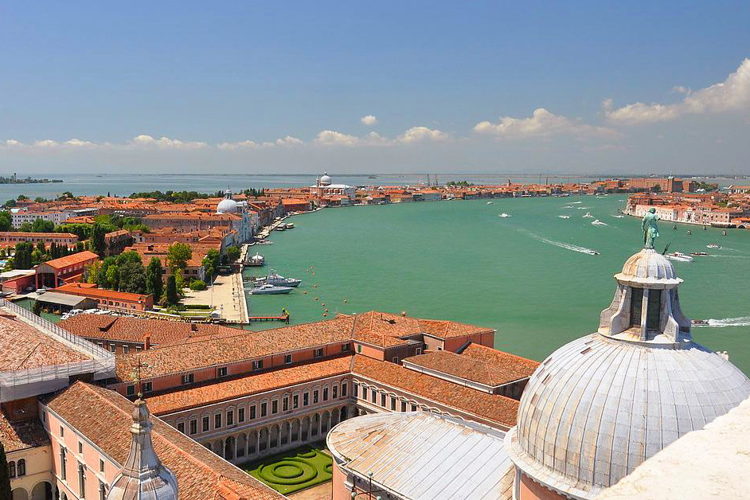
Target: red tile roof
point(251, 384)
point(99, 293)
point(71, 260)
point(104, 417)
point(493, 407)
point(21, 435)
point(25, 347)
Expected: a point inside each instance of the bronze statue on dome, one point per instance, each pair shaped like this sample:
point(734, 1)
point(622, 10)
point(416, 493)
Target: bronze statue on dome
point(650, 228)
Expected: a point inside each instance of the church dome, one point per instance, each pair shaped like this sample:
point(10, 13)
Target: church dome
point(325, 180)
point(227, 205)
point(601, 405)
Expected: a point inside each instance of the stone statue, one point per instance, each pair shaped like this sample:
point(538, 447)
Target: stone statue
point(650, 228)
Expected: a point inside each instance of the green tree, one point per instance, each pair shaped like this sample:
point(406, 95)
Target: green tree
point(178, 255)
point(91, 273)
point(97, 239)
point(154, 282)
point(132, 277)
point(37, 309)
point(113, 277)
point(5, 491)
point(22, 257)
point(131, 256)
point(10, 204)
point(233, 253)
point(172, 297)
point(42, 226)
point(5, 221)
point(179, 278)
point(197, 285)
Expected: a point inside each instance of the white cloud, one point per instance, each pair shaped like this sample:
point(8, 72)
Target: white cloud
point(165, 143)
point(733, 94)
point(541, 123)
point(46, 143)
point(280, 142)
point(288, 141)
point(334, 138)
point(78, 143)
point(369, 120)
point(231, 146)
point(422, 134)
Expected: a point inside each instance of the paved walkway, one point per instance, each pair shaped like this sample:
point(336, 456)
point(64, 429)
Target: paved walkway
point(227, 295)
point(320, 492)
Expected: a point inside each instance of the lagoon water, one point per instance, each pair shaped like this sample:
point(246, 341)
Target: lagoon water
point(526, 275)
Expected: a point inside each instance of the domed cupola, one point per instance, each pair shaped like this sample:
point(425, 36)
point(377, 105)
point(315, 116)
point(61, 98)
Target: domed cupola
point(325, 180)
point(227, 205)
point(602, 404)
point(143, 477)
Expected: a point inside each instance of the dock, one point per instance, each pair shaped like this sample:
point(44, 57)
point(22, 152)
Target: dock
point(284, 318)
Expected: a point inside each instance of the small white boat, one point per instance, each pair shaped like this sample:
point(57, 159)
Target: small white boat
point(564, 216)
point(713, 245)
point(588, 215)
point(490, 202)
point(256, 260)
point(289, 225)
point(679, 257)
point(568, 206)
point(589, 251)
point(597, 222)
point(575, 202)
point(270, 290)
point(618, 216)
point(504, 215)
point(281, 227)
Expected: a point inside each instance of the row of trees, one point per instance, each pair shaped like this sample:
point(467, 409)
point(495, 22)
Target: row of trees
point(176, 196)
point(27, 255)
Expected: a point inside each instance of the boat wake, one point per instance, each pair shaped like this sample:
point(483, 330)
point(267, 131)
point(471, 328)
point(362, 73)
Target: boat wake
point(723, 323)
point(561, 244)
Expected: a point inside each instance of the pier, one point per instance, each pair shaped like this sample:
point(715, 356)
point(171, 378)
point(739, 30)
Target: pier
point(284, 318)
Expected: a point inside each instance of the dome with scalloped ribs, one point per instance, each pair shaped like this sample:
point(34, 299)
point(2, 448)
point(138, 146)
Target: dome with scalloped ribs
point(648, 267)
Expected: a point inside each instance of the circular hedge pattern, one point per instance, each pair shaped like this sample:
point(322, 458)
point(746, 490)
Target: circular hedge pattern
point(288, 471)
point(294, 471)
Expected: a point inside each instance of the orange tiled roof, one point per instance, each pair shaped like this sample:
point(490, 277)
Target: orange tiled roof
point(71, 260)
point(478, 363)
point(250, 384)
point(99, 293)
point(491, 407)
point(104, 417)
point(25, 347)
point(21, 435)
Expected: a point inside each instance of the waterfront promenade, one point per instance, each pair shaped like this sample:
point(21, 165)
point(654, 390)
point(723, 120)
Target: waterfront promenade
point(227, 295)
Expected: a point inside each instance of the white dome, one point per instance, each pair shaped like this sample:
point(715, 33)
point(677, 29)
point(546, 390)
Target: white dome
point(648, 267)
point(598, 407)
point(227, 206)
point(325, 180)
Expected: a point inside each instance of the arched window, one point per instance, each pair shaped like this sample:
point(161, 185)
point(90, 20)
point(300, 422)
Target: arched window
point(12, 469)
point(21, 467)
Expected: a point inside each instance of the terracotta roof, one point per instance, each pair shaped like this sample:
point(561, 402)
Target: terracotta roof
point(25, 347)
point(489, 368)
point(251, 384)
point(104, 417)
point(70, 260)
point(21, 435)
point(99, 293)
point(493, 407)
point(135, 329)
point(19, 234)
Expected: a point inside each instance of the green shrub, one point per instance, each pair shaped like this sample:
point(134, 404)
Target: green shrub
point(197, 285)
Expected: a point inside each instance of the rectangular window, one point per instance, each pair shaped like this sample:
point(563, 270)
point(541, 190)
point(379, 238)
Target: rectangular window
point(419, 350)
point(335, 389)
point(147, 387)
point(230, 417)
point(346, 348)
point(295, 401)
point(403, 405)
point(325, 393)
point(305, 399)
point(636, 306)
point(62, 431)
point(81, 481)
point(318, 353)
point(252, 412)
point(382, 400)
point(217, 421)
point(125, 349)
point(285, 404)
point(343, 389)
point(274, 406)
point(393, 403)
point(315, 396)
point(80, 447)
point(373, 396)
point(188, 379)
point(193, 426)
point(364, 393)
point(63, 464)
point(222, 371)
point(287, 359)
point(258, 364)
point(395, 359)
point(263, 409)
point(413, 407)
point(206, 424)
point(101, 465)
point(240, 415)
point(130, 390)
point(112, 347)
point(181, 427)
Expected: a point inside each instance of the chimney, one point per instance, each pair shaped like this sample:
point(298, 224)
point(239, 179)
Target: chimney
point(194, 327)
point(147, 342)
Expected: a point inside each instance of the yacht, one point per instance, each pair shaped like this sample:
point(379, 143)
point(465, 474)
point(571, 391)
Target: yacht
point(679, 257)
point(276, 279)
point(588, 215)
point(564, 216)
point(256, 260)
point(713, 245)
point(270, 290)
point(289, 225)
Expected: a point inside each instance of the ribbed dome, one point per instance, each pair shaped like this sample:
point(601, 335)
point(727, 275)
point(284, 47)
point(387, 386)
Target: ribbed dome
point(598, 407)
point(325, 180)
point(648, 267)
point(226, 206)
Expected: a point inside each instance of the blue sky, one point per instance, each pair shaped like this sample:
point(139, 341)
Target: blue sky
point(275, 87)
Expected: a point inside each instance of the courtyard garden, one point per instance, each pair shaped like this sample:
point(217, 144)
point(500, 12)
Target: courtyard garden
point(294, 470)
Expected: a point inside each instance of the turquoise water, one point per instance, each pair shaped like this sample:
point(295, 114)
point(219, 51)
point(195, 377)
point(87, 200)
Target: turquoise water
point(460, 261)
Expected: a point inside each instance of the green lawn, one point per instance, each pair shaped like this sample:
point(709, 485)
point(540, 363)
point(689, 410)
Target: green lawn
point(294, 470)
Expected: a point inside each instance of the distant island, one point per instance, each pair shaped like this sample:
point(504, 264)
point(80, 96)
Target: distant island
point(13, 179)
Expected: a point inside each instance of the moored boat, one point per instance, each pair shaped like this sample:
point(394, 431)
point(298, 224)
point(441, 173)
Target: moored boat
point(276, 279)
point(256, 260)
point(504, 215)
point(268, 289)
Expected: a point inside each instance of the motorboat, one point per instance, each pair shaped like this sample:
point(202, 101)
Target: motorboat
point(281, 227)
point(289, 225)
point(699, 322)
point(597, 222)
point(679, 257)
point(564, 216)
point(504, 215)
point(618, 216)
point(713, 245)
point(490, 202)
point(589, 251)
point(588, 215)
point(699, 254)
point(268, 289)
point(276, 279)
point(256, 260)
